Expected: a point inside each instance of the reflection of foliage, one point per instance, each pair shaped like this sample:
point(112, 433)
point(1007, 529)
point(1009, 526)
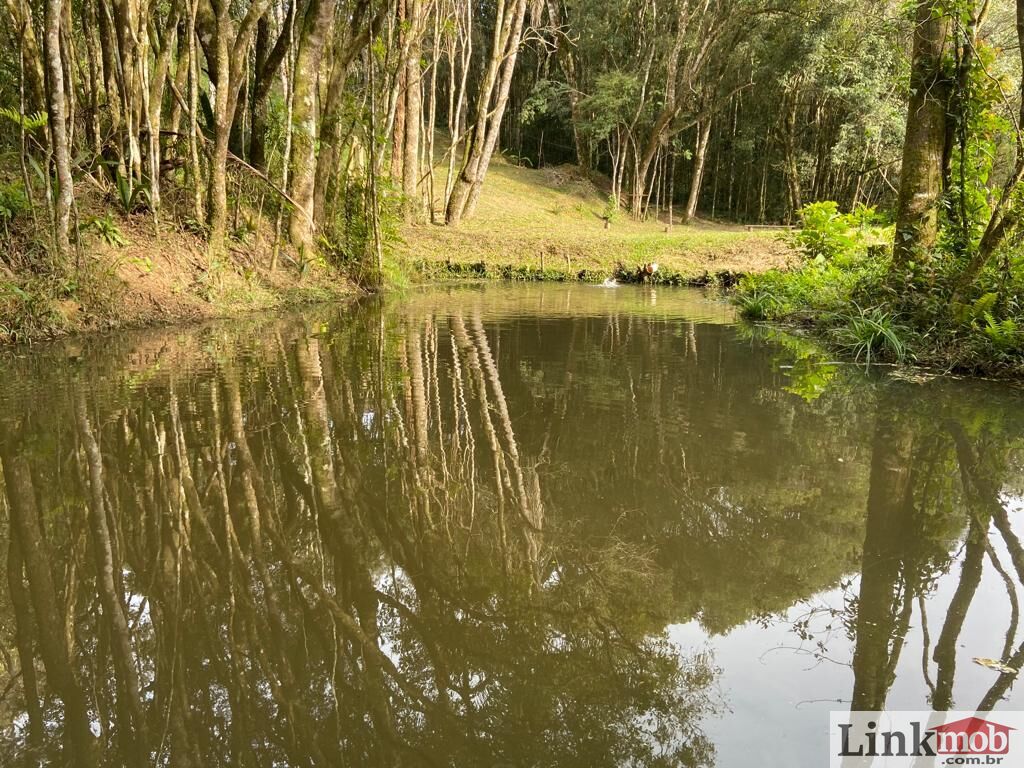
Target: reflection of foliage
point(420, 536)
point(451, 625)
point(811, 374)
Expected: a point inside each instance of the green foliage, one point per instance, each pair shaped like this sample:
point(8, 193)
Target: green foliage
point(13, 203)
point(872, 333)
point(611, 103)
point(30, 122)
point(757, 304)
point(106, 228)
point(349, 241)
point(978, 129)
point(549, 100)
point(611, 209)
point(1004, 334)
point(132, 197)
point(970, 314)
point(827, 234)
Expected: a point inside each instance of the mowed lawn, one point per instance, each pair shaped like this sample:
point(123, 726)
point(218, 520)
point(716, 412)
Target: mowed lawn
point(552, 218)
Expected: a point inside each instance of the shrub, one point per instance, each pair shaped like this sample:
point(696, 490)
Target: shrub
point(13, 203)
point(107, 228)
point(826, 234)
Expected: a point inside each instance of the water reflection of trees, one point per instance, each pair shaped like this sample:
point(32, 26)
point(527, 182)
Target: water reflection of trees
point(935, 508)
point(427, 537)
point(321, 551)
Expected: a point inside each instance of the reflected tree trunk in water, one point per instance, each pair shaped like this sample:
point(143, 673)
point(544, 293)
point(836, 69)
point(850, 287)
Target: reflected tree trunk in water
point(946, 645)
point(980, 470)
point(979, 511)
point(132, 727)
point(60, 675)
point(26, 656)
point(884, 601)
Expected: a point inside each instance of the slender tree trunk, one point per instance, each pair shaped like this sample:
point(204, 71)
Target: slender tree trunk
point(349, 41)
point(793, 193)
point(57, 111)
point(230, 57)
point(700, 154)
point(497, 81)
point(415, 21)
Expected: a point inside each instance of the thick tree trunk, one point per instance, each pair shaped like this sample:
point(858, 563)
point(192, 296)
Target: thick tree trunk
point(315, 29)
point(35, 79)
point(267, 63)
point(921, 177)
point(890, 522)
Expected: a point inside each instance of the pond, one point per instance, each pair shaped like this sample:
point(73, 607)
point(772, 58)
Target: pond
point(493, 526)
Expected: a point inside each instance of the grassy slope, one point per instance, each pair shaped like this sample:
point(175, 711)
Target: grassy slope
point(552, 218)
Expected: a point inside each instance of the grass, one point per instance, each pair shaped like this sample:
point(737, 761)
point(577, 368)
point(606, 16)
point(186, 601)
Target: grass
point(845, 292)
point(547, 225)
point(872, 333)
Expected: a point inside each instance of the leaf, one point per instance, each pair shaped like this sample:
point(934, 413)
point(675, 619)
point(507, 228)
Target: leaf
point(995, 665)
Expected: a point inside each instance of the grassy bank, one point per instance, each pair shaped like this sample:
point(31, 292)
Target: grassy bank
point(131, 273)
point(844, 291)
point(530, 225)
point(547, 224)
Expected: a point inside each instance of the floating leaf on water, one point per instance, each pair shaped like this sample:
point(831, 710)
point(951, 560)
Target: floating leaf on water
point(998, 666)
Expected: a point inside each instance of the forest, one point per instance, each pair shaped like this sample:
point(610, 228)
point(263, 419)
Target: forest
point(887, 133)
point(426, 521)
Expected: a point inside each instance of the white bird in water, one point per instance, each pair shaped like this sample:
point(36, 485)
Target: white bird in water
point(611, 282)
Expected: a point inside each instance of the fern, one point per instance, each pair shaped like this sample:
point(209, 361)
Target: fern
point(974, 313)
point(32, 122)
point(1002, 333)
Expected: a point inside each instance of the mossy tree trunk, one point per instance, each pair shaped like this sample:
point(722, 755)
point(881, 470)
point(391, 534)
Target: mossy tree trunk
point(315, 27)
point(920, 194)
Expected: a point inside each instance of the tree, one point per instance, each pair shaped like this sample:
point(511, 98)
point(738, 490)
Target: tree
point(228, 59)
point(921, 188)
point(315, 29)
point(491, 100)
point(58, 117)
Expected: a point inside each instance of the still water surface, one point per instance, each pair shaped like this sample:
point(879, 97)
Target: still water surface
point(493, 526)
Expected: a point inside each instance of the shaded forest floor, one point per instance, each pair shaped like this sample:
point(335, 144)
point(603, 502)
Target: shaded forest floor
point(127, 273)
point(547, 224)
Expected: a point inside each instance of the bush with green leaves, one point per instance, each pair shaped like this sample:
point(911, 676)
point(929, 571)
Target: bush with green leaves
point(13, 204)
point(846, 292)
point(106, 228)
point(826, 234)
